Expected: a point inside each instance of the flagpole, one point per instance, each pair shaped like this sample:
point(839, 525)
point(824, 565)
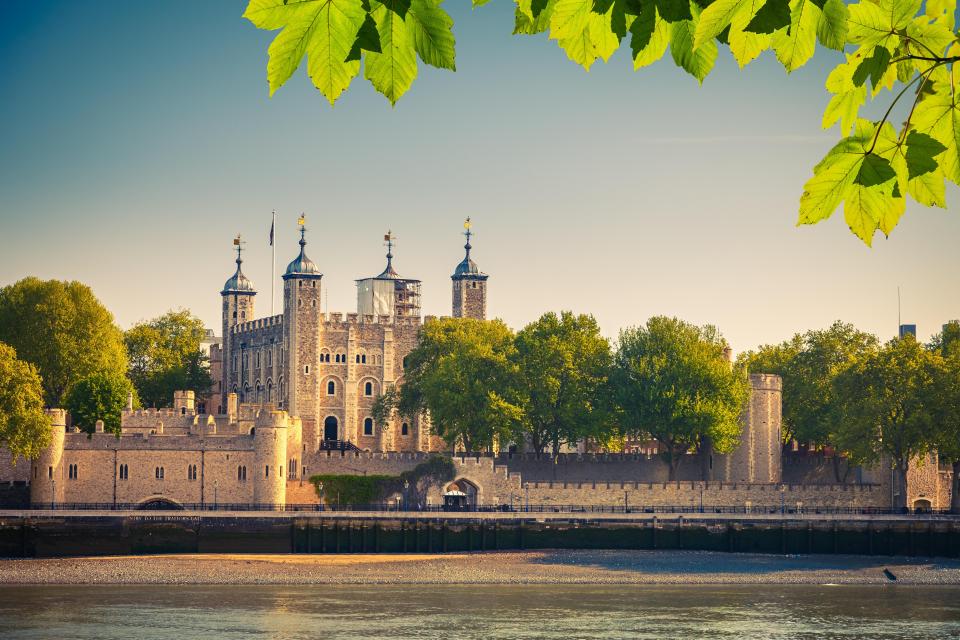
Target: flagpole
point(273, 261)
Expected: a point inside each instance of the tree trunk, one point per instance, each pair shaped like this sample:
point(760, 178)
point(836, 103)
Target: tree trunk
point(900, 487)
point(955, 488)
point(674, 464)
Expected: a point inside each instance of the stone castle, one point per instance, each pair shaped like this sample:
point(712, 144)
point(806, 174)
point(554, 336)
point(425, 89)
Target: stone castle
point(294, 395)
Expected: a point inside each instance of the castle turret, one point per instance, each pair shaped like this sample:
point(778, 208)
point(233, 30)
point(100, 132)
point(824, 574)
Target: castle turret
point(238, 294)
point(269, 455)
point(388, 294)
point(758, 457)
point(303, 322)
point(469, 285)
point(47, 481)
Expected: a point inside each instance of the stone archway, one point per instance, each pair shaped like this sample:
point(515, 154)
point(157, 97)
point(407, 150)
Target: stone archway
point(159, 504)
point(922, 505)
point(469, 489)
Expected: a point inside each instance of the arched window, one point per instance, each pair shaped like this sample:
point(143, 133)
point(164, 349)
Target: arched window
point(269, 391)
point(358, 358)
point(404, 429)
point(331, 388)
point(368, 388)
point(242, 473)
point(158, 473)
point(363, 359)
point(368, 426)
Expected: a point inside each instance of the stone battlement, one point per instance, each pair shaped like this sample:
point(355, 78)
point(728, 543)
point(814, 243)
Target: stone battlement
point(259, 323)
point(339, 320)
point(156, 442)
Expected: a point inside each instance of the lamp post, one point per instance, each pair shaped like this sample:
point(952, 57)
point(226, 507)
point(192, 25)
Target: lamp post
point(320, 489)
point(526, 488)
point(406, 491)
point(214, 495)
point(701, 498)
point(626, 506)
point(53, 496)
point(782, 498)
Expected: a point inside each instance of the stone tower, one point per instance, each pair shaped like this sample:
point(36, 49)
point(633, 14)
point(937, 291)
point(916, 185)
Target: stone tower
point(469, 285)
point(47, 483)
point(758, 457)
point(303, 322)
point(238, 294)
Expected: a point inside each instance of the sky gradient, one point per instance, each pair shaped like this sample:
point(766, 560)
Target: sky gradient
point(139, 138)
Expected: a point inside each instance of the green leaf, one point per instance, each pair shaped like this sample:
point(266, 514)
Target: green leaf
point(773, 15)
point(696, 62)
point(745, 45)
point(874, 171)
point(860, 175)
point(871, 24)
point(583, 34)
point(795, 46)
point(673, 10)
point(432, 31)
point(715, 19)
point(875, 67)
point(392, 71)
point(322, 30)
point(832, 26)
point(532, 16)
point(848, 98)
point(921, 151)
point(368, 39)
point(938, 116)
point(648, 47)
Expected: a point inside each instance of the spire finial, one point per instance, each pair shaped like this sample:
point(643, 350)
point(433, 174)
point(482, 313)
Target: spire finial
point(388, 239)
point(302, 221)
point(468, 233)
point(238, 242)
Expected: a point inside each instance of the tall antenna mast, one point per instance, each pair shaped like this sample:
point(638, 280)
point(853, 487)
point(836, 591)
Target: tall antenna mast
point(273, 262)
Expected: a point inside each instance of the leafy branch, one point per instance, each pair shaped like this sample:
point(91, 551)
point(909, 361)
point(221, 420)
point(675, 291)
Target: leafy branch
point(870, 171)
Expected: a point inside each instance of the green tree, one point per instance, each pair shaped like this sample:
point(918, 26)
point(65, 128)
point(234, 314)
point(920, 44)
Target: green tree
point(563, 370)
point(165, 356)
point(673, 383)
point(947, 344)
point(462, 373)
point(808, 364)
point(100, 396)
point(889, 46)
point(888, 407)
point(63, 330)
point(24, 427)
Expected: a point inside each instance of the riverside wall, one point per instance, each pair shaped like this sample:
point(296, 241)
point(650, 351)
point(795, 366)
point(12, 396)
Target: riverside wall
point(613, 480)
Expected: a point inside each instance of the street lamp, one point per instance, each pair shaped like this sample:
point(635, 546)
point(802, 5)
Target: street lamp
point(701, 498)
point(406, 491)
point(782, 506)
point(214, 495)
point(320, 489)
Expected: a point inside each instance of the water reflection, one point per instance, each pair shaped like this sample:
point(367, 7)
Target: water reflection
point(479, 612)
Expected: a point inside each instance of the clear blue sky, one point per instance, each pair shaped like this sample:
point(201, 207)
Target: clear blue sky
point(138, 139)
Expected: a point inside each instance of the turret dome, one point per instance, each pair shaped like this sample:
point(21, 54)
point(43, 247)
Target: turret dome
point(302, 265)
point(238, 283)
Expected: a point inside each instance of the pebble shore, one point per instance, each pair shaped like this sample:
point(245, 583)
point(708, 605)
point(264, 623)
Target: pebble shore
point(532, 567)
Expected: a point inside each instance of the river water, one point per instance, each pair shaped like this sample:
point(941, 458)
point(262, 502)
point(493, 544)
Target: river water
point(478, 612)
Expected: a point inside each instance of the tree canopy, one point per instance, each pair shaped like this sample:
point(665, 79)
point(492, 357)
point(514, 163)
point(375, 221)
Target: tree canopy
point(673, 384)
point(61, 329)
point(563, 369)
point(891, 49)
point(808, 363)
point(462, 372)
point(24, 427)
point(889, 405)
point(165, 356)
point(100, 396)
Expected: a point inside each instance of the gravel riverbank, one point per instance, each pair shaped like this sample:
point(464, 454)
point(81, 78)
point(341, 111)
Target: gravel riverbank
point(533, 567)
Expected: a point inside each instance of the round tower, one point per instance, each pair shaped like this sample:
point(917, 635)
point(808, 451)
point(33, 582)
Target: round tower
point(303, 324)
point(269, 455)
point(47, 482)
point(469, 285)
point(237, 294)
point(758, 457)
